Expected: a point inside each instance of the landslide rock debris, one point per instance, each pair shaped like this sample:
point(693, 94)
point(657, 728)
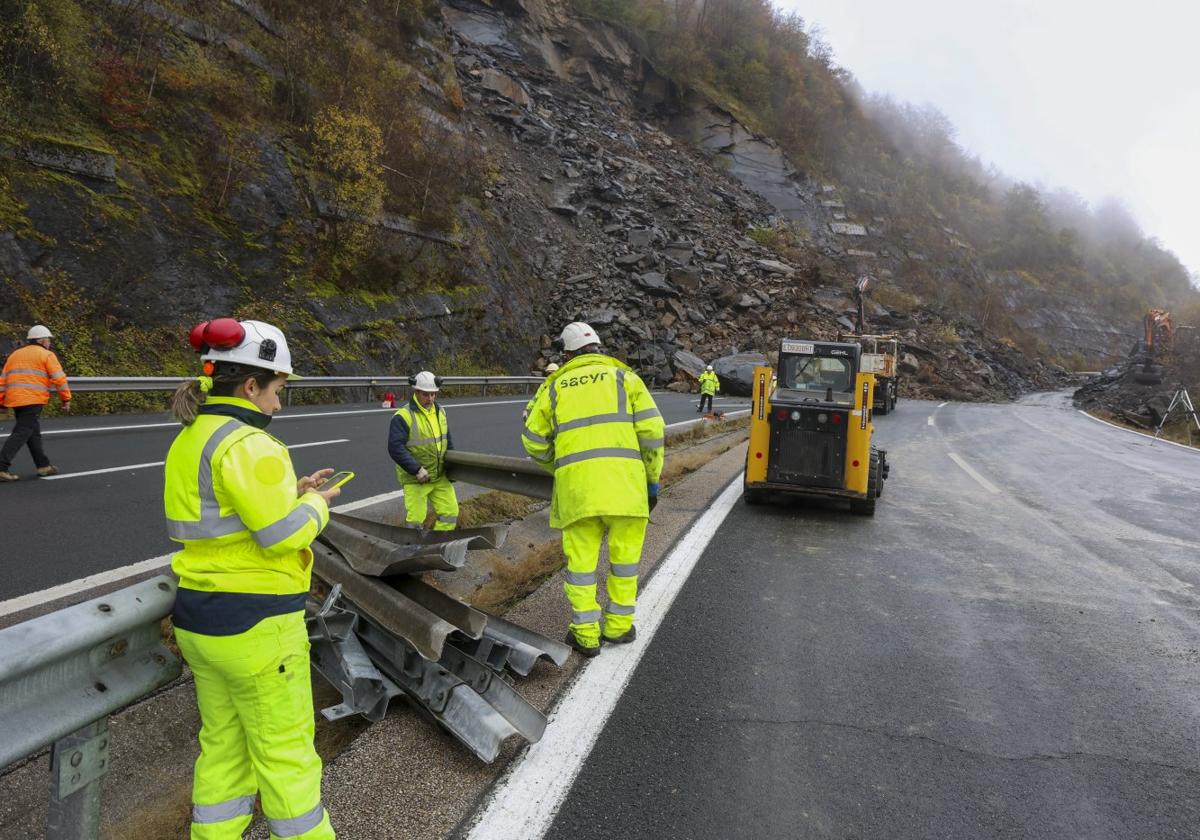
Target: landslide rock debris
point(644, 233)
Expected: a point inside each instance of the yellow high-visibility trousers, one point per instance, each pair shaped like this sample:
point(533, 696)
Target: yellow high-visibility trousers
point(439, 493)
point(581, 544)
point(254, 692)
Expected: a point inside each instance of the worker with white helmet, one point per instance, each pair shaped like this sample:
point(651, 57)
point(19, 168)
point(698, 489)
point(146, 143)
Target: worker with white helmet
point(30, 375)
point(597, 430)
point(709, 385)
point(418, 440)
point(233, 501)
point(550, 369)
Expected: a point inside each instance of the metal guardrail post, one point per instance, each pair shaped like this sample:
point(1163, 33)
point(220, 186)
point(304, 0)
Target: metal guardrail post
point(63, 673)
point(77, 763)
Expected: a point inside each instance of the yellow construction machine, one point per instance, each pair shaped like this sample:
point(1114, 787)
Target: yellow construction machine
point(810, 427)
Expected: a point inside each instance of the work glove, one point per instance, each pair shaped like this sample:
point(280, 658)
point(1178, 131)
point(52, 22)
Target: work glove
point(423, 476)
point(652, 495)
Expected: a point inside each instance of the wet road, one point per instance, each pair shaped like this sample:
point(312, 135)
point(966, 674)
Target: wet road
point(1009, 649)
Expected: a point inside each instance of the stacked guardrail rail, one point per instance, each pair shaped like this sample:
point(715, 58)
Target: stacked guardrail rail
point(383, 631)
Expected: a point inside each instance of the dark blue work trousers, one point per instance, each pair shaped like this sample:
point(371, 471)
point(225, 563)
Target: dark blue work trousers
point(27, 431)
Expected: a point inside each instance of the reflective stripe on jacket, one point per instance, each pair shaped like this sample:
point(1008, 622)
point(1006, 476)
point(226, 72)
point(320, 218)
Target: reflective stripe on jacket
point(709, 384)
point(597, 429)
point(422, 445)
point(30, 375)
point(230, 498)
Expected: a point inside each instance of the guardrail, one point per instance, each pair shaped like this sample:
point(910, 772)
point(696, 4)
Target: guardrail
point(112, 384)
point(63, 674)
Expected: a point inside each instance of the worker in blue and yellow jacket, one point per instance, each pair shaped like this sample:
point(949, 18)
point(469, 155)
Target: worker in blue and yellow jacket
point(596, 428)
point(418, 440)
point(246, 523)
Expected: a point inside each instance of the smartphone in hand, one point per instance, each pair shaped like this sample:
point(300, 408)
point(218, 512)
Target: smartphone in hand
point(335, 480)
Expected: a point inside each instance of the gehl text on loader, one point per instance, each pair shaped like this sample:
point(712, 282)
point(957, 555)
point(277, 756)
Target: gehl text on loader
point(811, 429)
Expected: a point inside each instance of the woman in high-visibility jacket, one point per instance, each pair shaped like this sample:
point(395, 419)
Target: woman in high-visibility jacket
point(233, 500)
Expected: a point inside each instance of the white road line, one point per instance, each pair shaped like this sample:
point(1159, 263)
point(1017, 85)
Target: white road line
point(969, 470)
point(128, 467)
point(370, 500)
point(276, 419)
point(63, 590)
point(929, 420)
point(1139, 434)
point(527, 798)
point(943, 405)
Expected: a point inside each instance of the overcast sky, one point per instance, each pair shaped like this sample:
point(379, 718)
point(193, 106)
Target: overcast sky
point(1096, 96)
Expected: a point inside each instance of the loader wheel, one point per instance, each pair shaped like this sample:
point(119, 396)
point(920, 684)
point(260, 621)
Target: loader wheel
point(752, 497)
point(866, 507)
point(884, 404)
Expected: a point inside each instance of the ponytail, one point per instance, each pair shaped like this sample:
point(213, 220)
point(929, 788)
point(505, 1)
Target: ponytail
point(224, 381)
point(185, 402)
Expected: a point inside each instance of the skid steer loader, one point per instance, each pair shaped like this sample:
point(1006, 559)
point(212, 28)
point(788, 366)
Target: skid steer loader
point(810, 427)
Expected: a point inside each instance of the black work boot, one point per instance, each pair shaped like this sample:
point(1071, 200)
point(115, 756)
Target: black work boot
point(624, 639)
point(580, 648)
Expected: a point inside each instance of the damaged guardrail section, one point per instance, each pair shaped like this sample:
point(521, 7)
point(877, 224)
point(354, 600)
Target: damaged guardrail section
point(383, 631)
point(63, 674)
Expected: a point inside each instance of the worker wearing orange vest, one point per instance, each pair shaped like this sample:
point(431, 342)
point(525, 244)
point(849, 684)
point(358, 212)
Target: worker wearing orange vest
point(30, 375)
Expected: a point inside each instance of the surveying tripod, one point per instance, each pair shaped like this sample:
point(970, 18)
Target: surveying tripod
point(1182, 402)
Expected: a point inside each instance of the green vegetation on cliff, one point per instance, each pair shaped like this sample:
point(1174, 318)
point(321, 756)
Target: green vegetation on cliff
point(165, 160)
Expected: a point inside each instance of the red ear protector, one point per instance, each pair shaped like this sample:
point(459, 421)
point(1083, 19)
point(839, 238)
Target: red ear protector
point(218, 334)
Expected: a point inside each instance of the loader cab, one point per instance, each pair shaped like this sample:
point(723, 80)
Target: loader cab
point(811, 413)
point(818, 372)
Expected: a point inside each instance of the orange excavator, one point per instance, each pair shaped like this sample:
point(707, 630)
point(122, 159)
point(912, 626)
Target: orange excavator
point(1157, 342)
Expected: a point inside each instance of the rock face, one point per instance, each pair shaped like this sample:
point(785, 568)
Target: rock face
point(614, 197)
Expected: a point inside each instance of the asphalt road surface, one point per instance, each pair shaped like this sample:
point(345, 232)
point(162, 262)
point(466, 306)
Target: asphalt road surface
point(1008, 649)
point(104, 511)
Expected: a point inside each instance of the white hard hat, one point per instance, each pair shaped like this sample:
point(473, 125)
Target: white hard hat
point(426, 381)
point(550, 368)
point(252, 343)
point(37, 331)
point(576, 335)
point(709, 367)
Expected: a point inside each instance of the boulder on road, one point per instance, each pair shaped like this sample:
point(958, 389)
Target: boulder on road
point(687, 362)
point(736, 372)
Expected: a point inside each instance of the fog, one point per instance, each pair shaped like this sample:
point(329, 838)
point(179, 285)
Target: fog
point(1097, 97)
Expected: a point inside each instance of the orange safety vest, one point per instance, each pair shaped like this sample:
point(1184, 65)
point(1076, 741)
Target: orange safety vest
point(30, 375)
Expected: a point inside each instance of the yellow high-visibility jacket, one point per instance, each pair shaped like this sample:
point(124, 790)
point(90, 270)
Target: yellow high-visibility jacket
point(231, 500)
point(419, 437)
point(709, 383)
point(597, 429)
point(30, 375)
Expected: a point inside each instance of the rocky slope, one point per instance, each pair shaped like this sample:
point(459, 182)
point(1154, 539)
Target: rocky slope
point(611, 195)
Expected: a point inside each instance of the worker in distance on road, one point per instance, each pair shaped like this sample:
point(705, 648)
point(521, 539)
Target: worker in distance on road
point(418, 440)
point(596, 428)
point(550, 368)
point(709, 385)
point(30, 374)
point(246, 523)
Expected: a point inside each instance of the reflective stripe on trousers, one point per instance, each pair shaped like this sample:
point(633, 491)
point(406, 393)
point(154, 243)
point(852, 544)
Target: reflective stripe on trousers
point(581, 544)
point(240, 806)
point(440, 493)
